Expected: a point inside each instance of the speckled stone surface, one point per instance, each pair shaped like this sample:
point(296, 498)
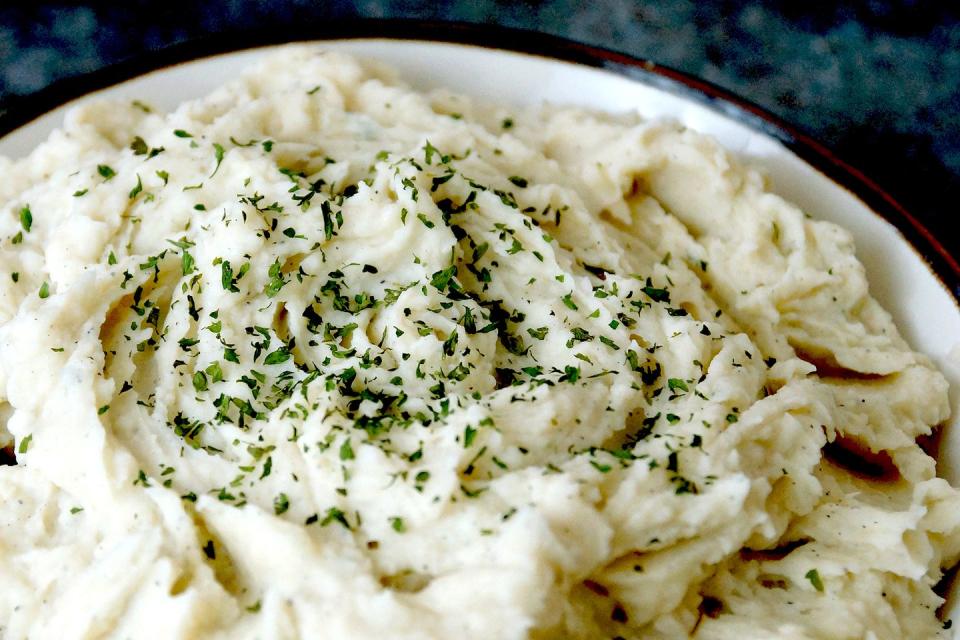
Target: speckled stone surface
point(878, 81)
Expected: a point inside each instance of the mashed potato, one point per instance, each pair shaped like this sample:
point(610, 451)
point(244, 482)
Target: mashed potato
point(319, 356)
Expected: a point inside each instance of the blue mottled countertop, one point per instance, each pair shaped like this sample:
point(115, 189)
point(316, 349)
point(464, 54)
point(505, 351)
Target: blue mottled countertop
point(877, 81)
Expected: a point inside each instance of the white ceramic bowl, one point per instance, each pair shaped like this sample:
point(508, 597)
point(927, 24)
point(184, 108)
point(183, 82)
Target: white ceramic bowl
point(906, 283)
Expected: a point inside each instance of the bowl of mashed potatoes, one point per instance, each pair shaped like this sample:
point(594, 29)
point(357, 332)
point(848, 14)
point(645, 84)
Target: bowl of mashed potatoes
point(403, 339)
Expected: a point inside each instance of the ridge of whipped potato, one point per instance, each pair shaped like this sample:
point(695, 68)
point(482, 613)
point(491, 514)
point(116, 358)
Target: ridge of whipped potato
point(321, 356)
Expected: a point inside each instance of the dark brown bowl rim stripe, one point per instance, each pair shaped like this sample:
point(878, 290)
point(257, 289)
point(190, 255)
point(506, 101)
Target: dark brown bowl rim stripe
point(20, 110)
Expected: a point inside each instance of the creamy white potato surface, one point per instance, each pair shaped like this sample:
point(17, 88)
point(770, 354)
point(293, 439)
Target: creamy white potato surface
point(320, 356)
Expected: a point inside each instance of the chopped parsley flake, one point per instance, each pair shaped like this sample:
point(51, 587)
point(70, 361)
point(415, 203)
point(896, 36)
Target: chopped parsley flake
point(139, 146)
point(137, 189)
point(539, 333)
point(281, 503)
point(277, 357)
point(469, 435)
point(218, 156)
point(814, 577)
point(26, 218)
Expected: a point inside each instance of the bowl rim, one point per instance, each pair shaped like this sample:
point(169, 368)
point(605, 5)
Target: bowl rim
point(19, 110)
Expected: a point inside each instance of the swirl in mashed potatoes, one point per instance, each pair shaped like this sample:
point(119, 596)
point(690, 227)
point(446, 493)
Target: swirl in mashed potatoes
point(320, 356)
